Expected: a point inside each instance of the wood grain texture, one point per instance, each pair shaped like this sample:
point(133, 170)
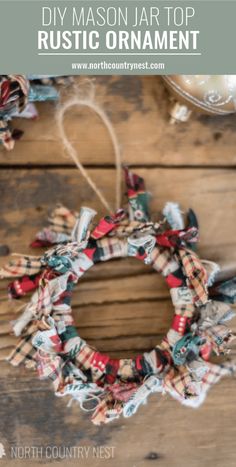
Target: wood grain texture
point(121, 307)
point(138, 107)
point(31, 194)
point(162, 433)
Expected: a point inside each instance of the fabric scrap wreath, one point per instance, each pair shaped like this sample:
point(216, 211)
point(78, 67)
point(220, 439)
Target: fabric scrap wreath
point(179, 365)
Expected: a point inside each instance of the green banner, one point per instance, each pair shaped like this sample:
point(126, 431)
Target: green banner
point(117, 37)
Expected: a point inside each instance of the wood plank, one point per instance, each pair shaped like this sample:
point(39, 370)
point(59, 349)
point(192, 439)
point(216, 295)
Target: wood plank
point(167, 433)
point(30, 195)
point(138, 107)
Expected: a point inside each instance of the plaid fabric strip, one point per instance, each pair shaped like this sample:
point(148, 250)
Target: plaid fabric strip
point(22, 265)
point(216, 372)
point(196, 275)
point(108, 248)
point(24, 351)
point(178, 384)
point(42, 303)
point(49, 366)
point(182, 383)
point(63, 220)
point(219, 336)
point(162, 261)
point(84, 357)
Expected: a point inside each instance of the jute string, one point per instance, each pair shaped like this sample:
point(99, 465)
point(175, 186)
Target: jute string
point(88, 101)
point(81, 98)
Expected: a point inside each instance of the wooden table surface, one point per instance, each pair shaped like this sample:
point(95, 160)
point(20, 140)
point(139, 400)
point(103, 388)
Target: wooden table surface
point(120, 307)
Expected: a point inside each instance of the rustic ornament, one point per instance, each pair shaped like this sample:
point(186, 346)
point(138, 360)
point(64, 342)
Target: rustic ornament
point(179, 364)
point(209, 94)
